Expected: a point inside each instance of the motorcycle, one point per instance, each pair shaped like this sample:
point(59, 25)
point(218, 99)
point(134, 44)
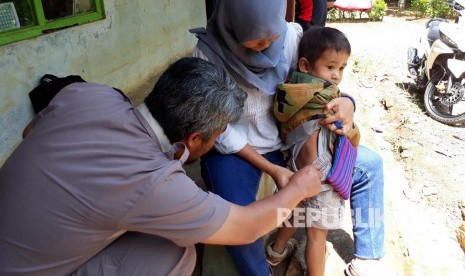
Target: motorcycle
point(438, 66)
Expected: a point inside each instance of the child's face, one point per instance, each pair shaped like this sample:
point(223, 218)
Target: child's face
point(330, 66)
point(259, 44)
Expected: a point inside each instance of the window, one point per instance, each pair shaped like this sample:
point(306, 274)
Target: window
point(22, 19)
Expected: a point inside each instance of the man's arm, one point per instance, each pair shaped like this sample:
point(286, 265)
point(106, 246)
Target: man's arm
point(245, 224)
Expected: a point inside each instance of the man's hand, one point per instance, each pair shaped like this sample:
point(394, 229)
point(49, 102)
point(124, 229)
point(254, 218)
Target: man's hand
point(308, 179)
point(343, 109)
point(281, 176)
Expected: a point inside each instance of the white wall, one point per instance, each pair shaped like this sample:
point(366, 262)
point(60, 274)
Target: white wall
point(135, 42)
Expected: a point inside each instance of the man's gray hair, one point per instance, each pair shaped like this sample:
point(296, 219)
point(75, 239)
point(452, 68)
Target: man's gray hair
point(194, 95)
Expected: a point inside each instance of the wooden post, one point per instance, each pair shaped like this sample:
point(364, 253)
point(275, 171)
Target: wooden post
point(290, 11)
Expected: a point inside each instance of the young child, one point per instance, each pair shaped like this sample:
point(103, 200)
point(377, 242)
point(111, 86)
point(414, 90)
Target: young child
point(299, 105)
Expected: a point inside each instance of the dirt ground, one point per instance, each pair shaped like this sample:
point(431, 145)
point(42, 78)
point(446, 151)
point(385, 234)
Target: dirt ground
point(393, 119)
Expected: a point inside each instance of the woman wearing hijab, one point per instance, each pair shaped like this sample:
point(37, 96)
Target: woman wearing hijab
point(252, 41)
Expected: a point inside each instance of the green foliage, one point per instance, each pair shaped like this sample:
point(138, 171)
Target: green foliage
point(408, 3)
point(378, 10)
point(421, 7)
point(439, 8)
point(432, 8)
point(352, 15)
point(333, 15)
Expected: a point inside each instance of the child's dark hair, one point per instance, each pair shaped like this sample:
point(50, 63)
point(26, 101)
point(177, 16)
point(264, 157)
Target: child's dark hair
point(316, 40)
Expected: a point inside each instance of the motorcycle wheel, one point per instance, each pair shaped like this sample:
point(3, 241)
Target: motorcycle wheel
point(445, 102)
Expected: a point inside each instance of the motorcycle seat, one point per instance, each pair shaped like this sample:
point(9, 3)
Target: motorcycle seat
point(433, 29)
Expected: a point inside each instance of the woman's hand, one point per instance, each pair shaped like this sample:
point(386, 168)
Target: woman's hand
point(343, 109)
point(280, 176)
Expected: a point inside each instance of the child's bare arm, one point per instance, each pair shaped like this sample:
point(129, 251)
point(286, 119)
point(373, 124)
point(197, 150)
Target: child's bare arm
point(309, 151)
